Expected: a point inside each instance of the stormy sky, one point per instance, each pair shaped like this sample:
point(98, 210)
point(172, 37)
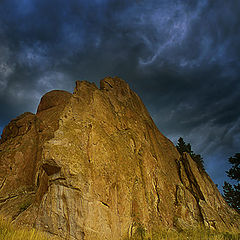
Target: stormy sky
point(181, 56)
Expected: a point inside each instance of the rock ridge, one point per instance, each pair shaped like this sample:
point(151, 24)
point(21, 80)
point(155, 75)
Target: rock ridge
point(93, 165)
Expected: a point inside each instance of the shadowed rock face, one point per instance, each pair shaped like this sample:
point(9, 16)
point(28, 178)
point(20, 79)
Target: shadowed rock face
point(93, 165)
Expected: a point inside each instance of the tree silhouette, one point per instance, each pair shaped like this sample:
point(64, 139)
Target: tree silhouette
point(232, 192)
point(234, 171)
point(183, 147)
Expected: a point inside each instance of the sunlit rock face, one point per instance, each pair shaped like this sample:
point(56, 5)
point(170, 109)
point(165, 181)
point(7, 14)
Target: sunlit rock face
point(93, 165)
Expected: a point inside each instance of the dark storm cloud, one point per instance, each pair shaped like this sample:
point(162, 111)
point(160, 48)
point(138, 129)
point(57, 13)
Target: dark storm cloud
point(181, 57)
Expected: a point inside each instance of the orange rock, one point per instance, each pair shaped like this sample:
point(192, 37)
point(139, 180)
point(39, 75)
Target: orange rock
point(98, 168)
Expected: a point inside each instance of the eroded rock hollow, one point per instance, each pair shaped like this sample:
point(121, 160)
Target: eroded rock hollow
point(93, 165)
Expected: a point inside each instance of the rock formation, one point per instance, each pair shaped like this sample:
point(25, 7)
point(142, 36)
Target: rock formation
point(93, 165)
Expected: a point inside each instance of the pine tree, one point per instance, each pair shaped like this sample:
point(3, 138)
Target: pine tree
point(198, 159)
point(232, 192)
point(234, 171)
point(183, 147)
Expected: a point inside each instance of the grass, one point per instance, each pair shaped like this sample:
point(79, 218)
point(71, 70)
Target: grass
point(9, 231)
point(193, 234)
point(196, 234)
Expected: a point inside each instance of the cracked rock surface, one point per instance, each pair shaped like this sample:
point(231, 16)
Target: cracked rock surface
point(93, 165)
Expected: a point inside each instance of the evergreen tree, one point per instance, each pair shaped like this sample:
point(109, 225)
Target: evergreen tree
point(234, 171)
point(183, 147)
point(198, 159)
point(232, 192)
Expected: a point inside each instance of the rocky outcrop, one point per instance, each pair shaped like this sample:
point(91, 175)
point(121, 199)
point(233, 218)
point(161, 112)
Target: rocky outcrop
point(93, 165)
point(21, 153)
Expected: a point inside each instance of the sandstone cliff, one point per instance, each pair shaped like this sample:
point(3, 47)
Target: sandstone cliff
point(93, 165)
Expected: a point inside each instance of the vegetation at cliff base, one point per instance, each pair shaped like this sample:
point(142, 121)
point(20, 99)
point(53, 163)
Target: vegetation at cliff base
point(190, 234)
point(232, 192)
point(9, 231)
point(186, 147)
